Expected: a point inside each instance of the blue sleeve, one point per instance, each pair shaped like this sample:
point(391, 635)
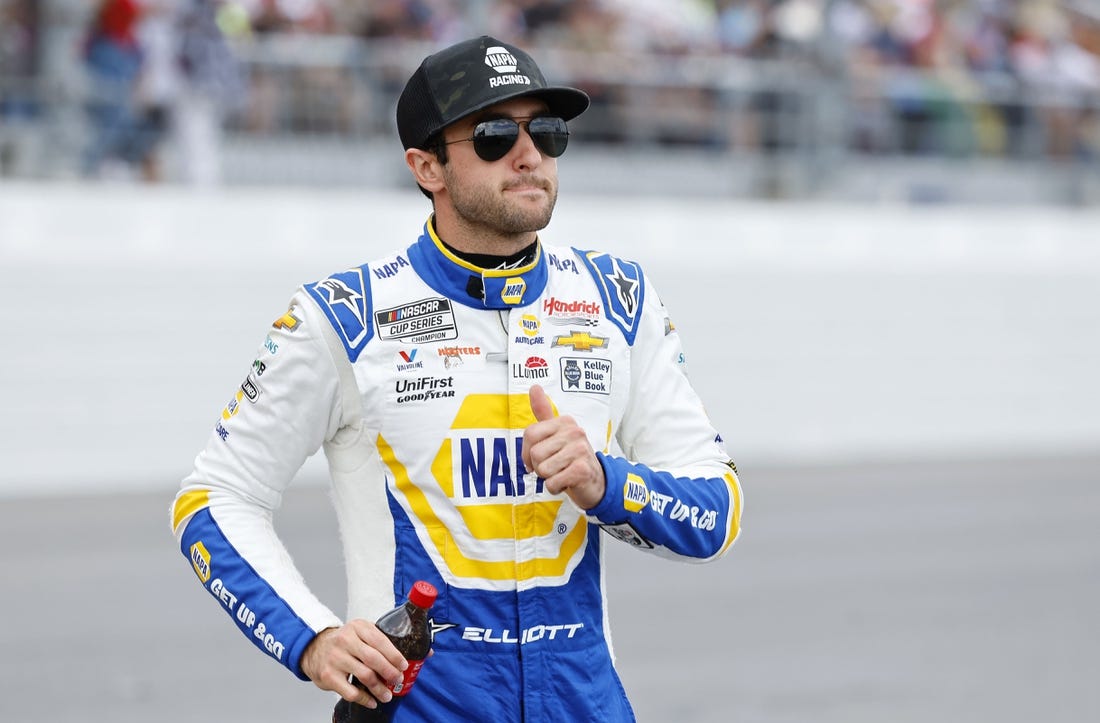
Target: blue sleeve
point(692, 517)
point(257, 610)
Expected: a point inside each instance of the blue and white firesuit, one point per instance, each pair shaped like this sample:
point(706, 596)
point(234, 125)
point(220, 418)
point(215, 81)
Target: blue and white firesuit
point(412, 372)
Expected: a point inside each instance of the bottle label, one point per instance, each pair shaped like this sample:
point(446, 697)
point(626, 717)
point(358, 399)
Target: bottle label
point(405, 685)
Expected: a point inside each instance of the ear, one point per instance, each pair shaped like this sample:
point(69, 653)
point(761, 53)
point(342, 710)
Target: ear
point(425, 168)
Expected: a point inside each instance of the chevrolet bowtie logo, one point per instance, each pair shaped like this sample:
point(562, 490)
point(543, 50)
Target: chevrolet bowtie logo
point(581, 341)
point(287, 321)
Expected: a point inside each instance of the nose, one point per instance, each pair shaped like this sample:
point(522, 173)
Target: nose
point(527, 154)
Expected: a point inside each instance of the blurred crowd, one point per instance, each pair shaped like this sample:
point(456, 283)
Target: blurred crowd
point(1002, 67)
point(1001, 77)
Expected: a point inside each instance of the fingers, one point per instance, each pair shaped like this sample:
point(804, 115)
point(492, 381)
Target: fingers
point(356, 649)
point(540, 404)
point(543, 411)
point(554, 455)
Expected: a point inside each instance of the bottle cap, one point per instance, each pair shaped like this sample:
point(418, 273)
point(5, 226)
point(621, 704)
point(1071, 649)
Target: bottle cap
point(422, 594)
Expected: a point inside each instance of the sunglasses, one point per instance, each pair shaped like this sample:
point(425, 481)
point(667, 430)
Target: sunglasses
point(493, 139)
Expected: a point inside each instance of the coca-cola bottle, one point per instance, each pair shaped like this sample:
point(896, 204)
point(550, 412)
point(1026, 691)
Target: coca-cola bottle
point(408, 628)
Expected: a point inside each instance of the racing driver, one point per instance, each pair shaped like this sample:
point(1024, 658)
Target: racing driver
point(494, 410)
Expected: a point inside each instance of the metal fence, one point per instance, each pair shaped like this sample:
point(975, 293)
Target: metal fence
point(801, 126)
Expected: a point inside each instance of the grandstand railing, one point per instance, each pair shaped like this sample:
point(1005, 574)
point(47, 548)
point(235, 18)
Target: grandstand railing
point(817, 118)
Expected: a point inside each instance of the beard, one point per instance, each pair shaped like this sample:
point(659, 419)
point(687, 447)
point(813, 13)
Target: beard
point(488, 207)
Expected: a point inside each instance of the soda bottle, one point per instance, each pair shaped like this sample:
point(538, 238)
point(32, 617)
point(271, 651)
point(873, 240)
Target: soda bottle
point(408, 628)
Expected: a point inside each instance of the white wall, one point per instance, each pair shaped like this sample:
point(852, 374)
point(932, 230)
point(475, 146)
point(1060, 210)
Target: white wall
point(815, 333)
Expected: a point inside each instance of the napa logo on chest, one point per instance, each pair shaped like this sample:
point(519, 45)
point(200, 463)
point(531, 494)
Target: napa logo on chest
point(512, 293)
point(489, 468)
point(529, 326)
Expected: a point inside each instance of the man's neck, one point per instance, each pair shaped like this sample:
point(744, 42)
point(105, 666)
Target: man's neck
point(523, 257)
point(477, 240)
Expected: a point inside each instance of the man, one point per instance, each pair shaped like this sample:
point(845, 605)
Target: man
point(489, 406)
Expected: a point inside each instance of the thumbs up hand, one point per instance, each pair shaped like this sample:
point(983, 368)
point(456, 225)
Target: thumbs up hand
point(557, 449)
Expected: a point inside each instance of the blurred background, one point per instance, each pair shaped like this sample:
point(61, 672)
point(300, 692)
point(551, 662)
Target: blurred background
point(792, 99)
point(876, 225)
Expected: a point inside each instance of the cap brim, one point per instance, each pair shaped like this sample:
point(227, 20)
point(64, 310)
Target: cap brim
point(562, 101)
point(568, 103)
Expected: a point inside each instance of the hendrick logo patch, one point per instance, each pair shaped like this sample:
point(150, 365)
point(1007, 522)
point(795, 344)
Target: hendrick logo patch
point(418, 322)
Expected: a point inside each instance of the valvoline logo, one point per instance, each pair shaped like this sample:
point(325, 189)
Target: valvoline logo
point(407, 361)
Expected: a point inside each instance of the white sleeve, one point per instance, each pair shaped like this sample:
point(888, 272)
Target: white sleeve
point(287, 405)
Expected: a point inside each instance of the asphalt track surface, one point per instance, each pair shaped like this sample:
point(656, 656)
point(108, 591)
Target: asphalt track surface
point(929, 591)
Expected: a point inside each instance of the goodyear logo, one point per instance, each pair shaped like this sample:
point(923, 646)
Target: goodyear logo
point(200, 560)
point(635, 494)
point(581, 341)
point(512, 293)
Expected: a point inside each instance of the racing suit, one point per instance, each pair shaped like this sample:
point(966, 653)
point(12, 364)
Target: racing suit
point(412, 372)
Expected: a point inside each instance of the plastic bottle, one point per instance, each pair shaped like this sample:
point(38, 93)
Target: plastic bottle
point(408, 628)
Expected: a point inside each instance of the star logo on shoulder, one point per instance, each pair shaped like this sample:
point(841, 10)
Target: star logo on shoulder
point(339, 293)
point(626, 288)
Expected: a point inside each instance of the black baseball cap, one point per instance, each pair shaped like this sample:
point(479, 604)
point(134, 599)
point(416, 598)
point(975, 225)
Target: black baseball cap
point(472, 75)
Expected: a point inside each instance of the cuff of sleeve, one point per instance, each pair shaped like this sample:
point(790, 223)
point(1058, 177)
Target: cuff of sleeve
point(610, 509)
point(295, 661)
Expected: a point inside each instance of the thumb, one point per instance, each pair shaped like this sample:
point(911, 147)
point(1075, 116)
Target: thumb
point(540, 404)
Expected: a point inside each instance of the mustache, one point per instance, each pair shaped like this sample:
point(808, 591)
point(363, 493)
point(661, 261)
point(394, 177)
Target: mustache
point(529, 179)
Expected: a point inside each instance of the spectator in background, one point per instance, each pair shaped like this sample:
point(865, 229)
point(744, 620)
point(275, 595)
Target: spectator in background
point(158, 85)
point(113, 60)
point(19, 103)
point(18, 56)
point(213, 87)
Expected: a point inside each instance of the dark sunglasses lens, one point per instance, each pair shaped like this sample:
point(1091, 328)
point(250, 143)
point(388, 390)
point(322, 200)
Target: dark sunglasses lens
point(493, 139)
point(551, 135)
